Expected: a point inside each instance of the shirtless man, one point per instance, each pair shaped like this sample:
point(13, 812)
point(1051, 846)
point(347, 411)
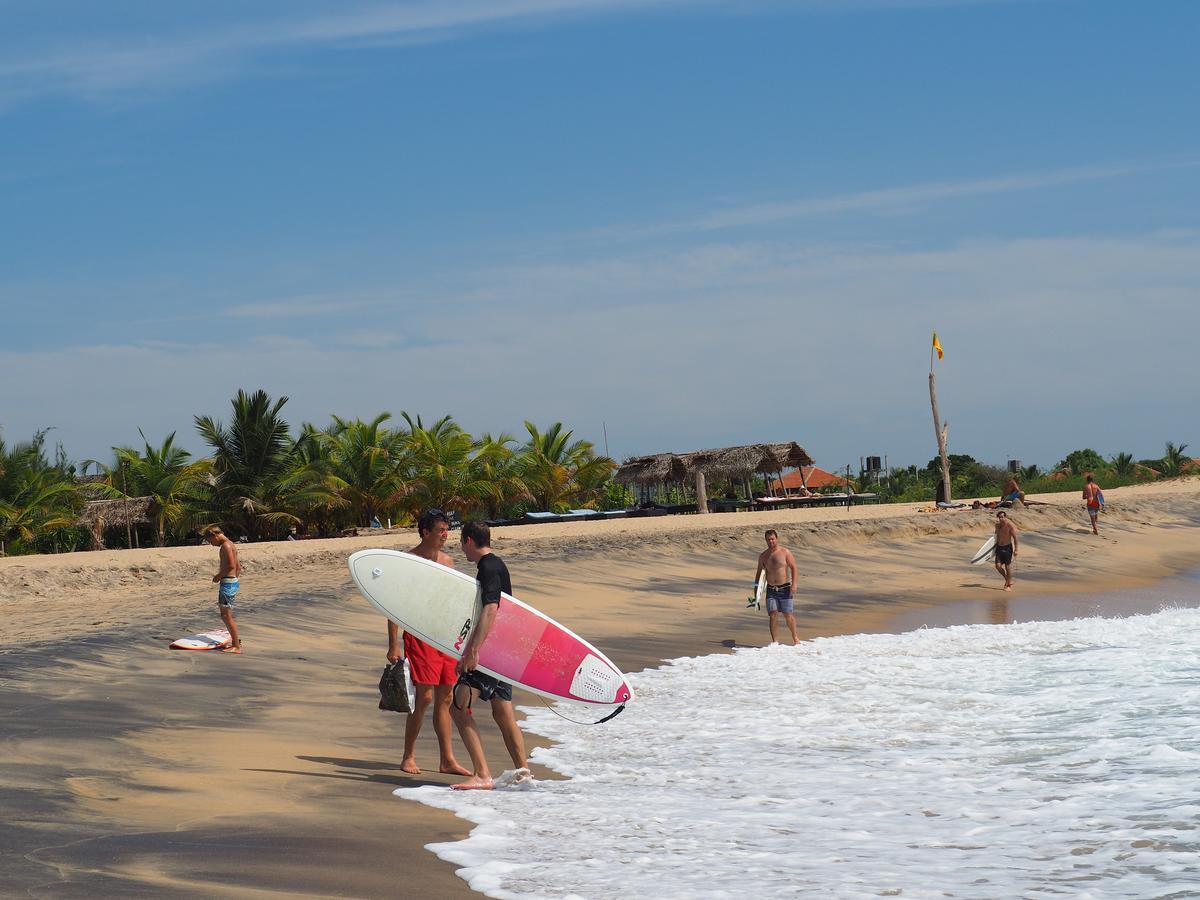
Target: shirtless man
point(1012, 494)
point(780, 566)
point(1094, 500)
point(1006, 547)
point(228, 571)
point(474, 685)
point(432, 670)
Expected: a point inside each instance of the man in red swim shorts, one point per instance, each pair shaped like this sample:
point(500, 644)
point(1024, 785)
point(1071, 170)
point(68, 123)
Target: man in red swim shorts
point(433, 672)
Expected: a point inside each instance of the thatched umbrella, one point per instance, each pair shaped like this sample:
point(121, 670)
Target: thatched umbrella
point(724, 462)
point(122, 513)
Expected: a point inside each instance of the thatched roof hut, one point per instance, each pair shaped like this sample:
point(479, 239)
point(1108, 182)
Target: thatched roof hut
point(100, 514)
point(654, 469)
point(723, 462)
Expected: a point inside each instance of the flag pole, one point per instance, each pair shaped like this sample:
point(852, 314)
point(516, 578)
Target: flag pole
point(939, 431)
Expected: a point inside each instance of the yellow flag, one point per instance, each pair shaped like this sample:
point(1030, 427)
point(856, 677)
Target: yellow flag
point(937, 345)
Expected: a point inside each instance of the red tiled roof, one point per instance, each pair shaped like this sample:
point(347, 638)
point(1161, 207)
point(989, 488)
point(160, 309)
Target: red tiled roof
point(817, 479)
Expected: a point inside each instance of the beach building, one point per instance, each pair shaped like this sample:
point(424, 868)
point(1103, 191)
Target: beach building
point(690, 473)
point(810, 477)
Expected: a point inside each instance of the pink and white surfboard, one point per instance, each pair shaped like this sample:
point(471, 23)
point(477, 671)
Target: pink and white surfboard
point(525, 647)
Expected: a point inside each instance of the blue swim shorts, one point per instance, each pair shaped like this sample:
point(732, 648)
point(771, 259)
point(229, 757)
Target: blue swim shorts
point(226, 592)
point(779, 598)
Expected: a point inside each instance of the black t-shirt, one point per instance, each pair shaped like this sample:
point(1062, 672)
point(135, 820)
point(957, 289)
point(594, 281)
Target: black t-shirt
point(493, 578)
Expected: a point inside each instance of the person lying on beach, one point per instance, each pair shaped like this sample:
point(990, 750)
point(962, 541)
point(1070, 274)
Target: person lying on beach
point(780, 566)
point(474, 685)
point(228, 572)
point(1006, 547)
point(1094, 499)
point(433, 672)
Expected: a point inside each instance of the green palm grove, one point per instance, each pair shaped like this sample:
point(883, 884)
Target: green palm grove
point(261, 480)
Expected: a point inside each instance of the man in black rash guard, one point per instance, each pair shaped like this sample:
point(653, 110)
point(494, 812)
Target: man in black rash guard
point(472, 685)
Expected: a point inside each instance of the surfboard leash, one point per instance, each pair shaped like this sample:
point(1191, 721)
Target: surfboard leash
point(616, 712)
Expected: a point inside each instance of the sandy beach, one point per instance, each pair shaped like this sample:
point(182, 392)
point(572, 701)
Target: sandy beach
point(133, 770)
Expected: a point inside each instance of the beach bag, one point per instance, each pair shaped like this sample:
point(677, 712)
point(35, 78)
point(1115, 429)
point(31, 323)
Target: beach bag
point(396, 693)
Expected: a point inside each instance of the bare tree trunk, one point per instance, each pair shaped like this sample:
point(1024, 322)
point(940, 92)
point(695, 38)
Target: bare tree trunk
point(701, 493)
point(940, 433)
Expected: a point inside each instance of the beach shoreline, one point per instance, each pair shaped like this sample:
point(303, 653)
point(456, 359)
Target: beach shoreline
point(132, 769)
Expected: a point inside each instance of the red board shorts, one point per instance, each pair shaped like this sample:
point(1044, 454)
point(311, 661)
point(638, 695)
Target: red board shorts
point(428, 664)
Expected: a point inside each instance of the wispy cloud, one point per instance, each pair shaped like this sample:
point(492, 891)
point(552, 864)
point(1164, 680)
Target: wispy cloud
point(158, 62)
point(306, 306)
point(886, 200)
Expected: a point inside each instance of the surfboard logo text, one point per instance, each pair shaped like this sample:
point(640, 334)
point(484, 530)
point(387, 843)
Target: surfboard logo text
point(462, 634)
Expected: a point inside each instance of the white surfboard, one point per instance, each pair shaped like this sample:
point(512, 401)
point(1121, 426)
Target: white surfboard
point(760, 590)
point(984, 553)
point(440, 606)
point(209, 640)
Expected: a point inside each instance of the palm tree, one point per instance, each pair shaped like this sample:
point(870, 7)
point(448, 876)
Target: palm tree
point(164, 473)
point(556, 469)
point(444, 469)
point(252, 464)
point(36, 497)
point(1174, 460)
point(1123, 464)
point(366, 463)
point(497, 464)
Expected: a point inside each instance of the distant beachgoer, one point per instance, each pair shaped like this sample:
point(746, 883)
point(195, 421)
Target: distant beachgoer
point(1012, 494)
point(1006, 547)
point(228, 572)
point(780, 566)
point(432, 670)
point(474, 685)
point(1094, 500)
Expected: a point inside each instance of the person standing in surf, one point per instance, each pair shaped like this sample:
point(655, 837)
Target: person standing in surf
point(229, 569)
point(1094, 499)
point(474, 685)
point(779, 564)
point(1006, 547)
point(433, 672)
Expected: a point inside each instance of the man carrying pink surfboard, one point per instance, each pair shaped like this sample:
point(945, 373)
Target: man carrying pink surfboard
point(472, 685)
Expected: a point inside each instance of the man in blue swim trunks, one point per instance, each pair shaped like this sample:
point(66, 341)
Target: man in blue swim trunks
point(228, 571)
point(779, 564)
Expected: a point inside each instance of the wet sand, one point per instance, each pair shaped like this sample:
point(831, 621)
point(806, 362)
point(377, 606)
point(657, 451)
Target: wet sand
point(132, 770)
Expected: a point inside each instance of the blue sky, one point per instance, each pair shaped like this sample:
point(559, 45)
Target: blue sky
point(696, 223)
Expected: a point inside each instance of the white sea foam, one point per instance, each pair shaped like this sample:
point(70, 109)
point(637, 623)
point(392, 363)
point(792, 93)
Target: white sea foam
point(984, 761)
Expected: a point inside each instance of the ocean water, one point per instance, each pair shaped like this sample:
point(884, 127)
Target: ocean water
point(1046, 759)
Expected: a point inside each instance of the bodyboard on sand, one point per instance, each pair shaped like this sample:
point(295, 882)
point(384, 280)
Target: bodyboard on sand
point(441, 606)
point(984, 553)
point(209, 640)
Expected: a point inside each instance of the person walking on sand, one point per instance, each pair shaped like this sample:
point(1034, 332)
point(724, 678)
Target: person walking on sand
point(779, 564)
point(1006, 547)
point(228, 572)
point(433, 672)
point(474, 685)
point(1094, 499)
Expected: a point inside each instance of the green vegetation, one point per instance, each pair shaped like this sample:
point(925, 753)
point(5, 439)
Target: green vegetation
point(260, 480)
point(971, 478)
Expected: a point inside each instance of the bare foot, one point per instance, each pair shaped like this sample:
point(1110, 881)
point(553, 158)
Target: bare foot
point(231, 649)
point(410, 767)
point(452, 768)
point(1008, 587)
point(474, 783)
